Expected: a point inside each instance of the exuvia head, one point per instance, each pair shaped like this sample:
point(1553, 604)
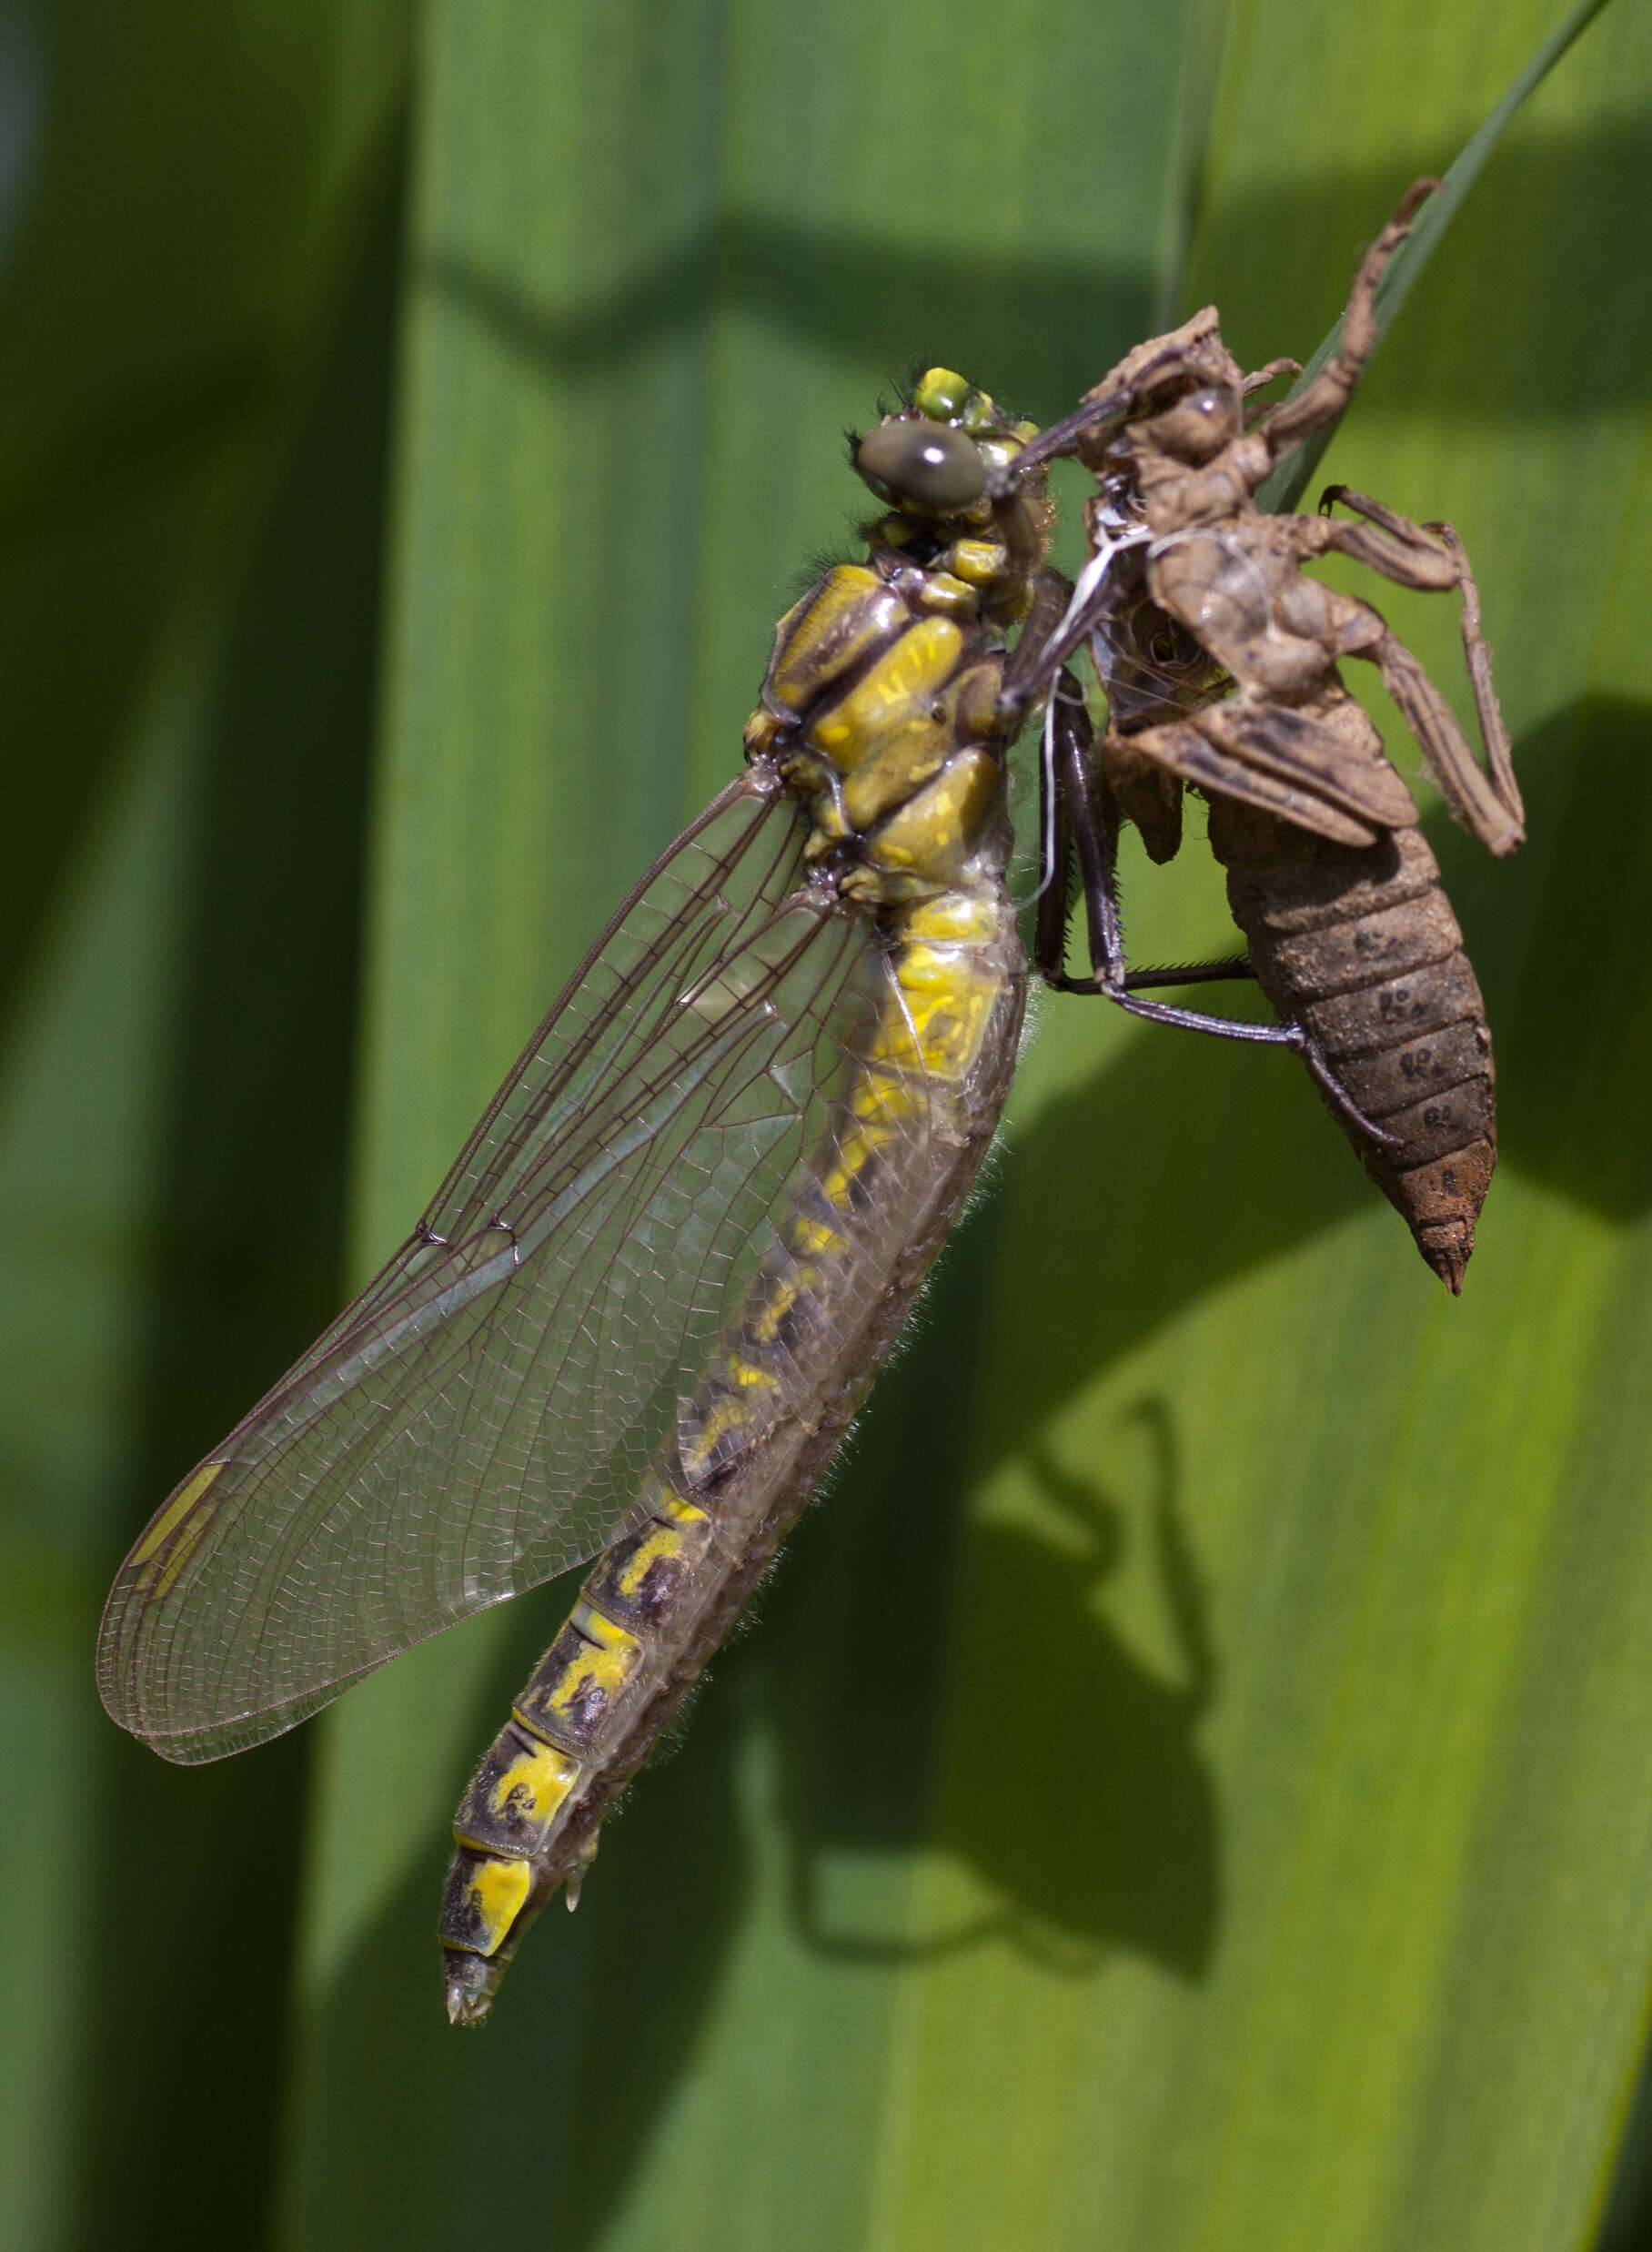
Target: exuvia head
point(933, 458)
point(1197, 428)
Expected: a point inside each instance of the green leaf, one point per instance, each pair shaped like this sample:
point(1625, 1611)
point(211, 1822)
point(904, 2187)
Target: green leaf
point(1189, 1783)
point(188, 518)
point(1230, 1826)
point(1295, 471)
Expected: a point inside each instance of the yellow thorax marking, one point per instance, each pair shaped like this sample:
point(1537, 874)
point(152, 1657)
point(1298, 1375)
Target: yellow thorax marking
point(905, 678)
point(936, 830)
point(822, 637)
point(979, 560)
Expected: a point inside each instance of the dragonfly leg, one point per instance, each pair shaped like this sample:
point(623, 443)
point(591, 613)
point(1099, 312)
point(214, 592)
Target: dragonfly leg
point(1047, 639)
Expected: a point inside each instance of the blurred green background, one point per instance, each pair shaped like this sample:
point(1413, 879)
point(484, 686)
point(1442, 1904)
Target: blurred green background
point(415, 419)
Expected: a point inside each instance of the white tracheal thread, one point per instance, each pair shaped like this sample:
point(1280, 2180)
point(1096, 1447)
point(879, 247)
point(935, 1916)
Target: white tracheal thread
point(1085, 590)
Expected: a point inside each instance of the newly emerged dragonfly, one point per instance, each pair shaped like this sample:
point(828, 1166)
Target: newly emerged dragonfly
point(647, 1299)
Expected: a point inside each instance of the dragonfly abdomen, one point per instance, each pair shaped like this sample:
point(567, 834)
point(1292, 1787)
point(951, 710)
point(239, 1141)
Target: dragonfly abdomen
point(754, 1439)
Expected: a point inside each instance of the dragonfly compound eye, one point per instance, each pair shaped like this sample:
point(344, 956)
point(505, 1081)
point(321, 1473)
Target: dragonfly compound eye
point(929, 465)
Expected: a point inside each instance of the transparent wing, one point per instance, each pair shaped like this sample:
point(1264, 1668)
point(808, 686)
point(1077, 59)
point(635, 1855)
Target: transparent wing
point(481, 1417)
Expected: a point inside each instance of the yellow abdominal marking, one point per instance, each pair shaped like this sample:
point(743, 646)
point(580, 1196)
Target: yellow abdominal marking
point(660, 1546)
point(535, 1784)
point(961, 916)
point(893, 1097)
point(497, 1890)
point(726, 1416)
point(788, 1290)
point(816, 1240)
point(949, 1006)
point(856, 1150)
point(608, 1660)
point(747, 1376)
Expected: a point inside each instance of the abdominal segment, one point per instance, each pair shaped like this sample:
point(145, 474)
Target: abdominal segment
point(1361, 948)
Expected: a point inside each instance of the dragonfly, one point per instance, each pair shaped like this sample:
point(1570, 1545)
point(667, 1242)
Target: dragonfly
point(642, 1308)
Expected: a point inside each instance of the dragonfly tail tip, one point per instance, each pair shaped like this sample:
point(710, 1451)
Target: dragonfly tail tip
point(471, 1980)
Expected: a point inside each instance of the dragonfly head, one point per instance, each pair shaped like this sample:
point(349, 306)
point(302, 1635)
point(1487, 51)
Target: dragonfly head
point(933, 458)
point(945, 464)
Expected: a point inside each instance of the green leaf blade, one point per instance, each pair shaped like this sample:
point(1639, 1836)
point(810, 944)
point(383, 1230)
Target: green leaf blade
point(1188, 1786)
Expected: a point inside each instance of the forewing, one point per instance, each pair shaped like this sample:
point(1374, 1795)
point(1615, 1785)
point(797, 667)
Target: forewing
point(481, 1416)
